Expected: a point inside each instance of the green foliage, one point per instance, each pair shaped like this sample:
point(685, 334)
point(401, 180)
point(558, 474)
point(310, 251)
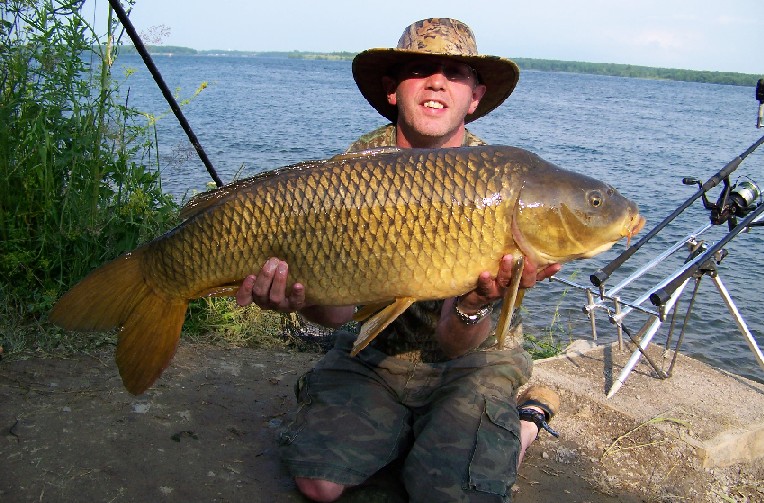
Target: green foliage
point(73, 189)
point(552, 340)
point(542, 347)
point(329, 56)
point(221, 321)
point(159, 49)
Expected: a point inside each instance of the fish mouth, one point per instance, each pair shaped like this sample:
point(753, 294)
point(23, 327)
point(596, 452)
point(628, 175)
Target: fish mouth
point(634, 225)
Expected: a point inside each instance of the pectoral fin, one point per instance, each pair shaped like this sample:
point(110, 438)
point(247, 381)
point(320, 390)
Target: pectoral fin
point(508, 306)
point(369, 309)
point(379, 321)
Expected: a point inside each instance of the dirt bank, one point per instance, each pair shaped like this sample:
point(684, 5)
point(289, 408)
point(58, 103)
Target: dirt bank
point(207, 432)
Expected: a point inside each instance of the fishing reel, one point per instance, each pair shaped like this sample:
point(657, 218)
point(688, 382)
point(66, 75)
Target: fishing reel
point(734, 201)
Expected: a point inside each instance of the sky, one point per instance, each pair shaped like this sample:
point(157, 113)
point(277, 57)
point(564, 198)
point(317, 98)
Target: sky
point(688, 34)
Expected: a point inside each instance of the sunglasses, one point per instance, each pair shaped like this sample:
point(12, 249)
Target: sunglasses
point(453, 71)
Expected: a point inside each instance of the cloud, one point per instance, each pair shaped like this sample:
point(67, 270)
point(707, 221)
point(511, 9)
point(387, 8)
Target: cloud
point(661, 39)
point(725, 20)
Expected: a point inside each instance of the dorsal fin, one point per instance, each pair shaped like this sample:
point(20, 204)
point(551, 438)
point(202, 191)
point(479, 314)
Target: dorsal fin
point(206, 200)
point(349, 156)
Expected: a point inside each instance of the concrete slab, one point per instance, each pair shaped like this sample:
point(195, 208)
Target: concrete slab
point(721, 415)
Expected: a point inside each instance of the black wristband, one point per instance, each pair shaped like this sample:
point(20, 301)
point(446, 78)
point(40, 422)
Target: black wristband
point(536, 417)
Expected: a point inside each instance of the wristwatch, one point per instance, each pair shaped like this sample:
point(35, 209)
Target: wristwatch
point(471, 319)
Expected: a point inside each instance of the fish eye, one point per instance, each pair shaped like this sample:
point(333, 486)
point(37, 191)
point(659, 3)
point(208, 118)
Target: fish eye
point(595, 199)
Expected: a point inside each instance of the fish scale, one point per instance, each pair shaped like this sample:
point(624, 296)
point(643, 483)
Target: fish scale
point(400, 224)
point(376, 227)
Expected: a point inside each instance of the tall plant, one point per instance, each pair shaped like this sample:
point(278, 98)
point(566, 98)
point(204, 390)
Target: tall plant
point(73, 191)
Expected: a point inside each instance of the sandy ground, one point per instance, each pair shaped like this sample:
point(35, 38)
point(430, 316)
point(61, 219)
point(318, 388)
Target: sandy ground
point(207, 432)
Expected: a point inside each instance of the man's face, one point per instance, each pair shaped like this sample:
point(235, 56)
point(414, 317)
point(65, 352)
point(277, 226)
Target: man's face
point(433, 95)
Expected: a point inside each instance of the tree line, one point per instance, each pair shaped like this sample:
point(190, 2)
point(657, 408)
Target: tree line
point(640, 72)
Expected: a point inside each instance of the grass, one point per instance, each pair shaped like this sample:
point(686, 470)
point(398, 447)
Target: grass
point(220, 321)
point(627, 441)
point(80, 182)
point(73, 191)
point(555, 337)
point(216, 321)
point(23, 337)
point(540, 348)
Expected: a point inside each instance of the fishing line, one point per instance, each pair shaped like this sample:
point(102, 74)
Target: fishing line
point(138, 43)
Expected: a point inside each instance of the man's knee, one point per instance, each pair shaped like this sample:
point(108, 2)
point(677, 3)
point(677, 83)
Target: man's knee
point(319, 490)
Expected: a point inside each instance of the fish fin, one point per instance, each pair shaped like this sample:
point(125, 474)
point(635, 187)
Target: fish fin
point(203, 201)
point(379, 321)
point(227, 290)
point(513, 296)
point(148, 340)
point(117, 295)
point(349, 156)
point(520, 295)
point(369, 309)
point(104, 298)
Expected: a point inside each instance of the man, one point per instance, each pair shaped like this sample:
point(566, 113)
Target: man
point(432, 389)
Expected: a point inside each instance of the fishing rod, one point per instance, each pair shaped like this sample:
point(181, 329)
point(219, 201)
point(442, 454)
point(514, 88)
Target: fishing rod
point(760, 97)
point(138, 43)
point(720, 212)
point(724, 209)
point(742, 200)
point(666, 295)
point(660, 296)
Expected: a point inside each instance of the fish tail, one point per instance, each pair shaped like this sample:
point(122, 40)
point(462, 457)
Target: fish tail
point(117, 295)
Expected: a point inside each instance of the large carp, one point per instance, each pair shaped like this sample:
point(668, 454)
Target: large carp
point(373, 228)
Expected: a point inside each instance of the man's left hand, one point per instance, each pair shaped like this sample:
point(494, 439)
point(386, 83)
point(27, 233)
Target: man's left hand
point(490, 289)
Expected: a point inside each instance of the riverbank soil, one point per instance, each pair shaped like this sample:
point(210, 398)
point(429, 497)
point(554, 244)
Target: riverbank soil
point(207, 431)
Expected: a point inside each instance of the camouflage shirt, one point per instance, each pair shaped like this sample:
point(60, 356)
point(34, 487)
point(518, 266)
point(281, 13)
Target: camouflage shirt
point(411, 336)
point(385, 137)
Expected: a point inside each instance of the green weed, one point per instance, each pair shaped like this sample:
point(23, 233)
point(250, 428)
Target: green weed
point(555, 337)
point(73, 190)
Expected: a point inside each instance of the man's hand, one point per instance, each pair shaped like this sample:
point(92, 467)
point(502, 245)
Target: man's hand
point(490, 289)
point(268, 289)
point(455, 337)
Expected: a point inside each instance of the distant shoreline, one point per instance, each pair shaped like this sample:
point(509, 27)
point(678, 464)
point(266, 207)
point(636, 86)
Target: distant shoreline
point(546, 65)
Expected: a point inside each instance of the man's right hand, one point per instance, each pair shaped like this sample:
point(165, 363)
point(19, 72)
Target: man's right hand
point(268, 289)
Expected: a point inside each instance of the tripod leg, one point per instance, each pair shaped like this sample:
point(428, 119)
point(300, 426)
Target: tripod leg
point(644, 342)
point(739, 320)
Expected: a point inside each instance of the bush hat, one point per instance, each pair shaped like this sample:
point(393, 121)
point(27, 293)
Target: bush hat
point(443, 37)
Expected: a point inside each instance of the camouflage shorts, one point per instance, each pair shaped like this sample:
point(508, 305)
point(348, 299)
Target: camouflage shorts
point(454, 424)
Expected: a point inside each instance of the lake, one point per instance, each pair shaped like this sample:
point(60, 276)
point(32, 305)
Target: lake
point(642, 136)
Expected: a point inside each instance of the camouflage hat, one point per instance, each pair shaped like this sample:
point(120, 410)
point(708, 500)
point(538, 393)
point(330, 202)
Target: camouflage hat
point(442, 37)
